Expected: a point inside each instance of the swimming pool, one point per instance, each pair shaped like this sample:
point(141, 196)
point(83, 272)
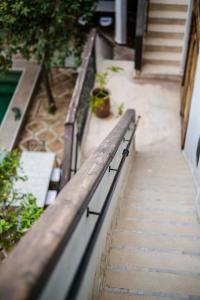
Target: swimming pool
point(8, 84)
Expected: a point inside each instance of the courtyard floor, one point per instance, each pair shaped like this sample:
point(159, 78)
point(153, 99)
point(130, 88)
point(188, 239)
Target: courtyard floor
point(43, 131)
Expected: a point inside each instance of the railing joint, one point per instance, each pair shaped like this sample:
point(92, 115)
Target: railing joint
point(125, 152)
point(111, 169)
point(91, 212)
point(125, 140)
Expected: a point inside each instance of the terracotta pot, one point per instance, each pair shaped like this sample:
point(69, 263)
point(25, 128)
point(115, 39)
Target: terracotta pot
point(102, 110)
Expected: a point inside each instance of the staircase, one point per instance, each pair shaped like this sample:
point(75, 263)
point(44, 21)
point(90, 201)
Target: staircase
point(155, 250)
point(164, 39)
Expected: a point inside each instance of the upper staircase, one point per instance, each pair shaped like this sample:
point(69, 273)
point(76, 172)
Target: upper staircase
point(164, 38)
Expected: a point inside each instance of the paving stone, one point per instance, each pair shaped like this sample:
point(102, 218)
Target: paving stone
point(42, 131)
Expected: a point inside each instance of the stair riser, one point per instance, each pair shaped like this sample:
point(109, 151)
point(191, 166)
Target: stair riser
point(168, 7)
point(161, 62)
point(166, 21)
point(162, 48)
point(165, 35)
point(159, 77)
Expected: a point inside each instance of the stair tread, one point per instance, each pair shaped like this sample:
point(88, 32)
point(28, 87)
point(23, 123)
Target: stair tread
point(176, 2)
point(166, 28)
point(160, 70)
point(163, 42)
point(167, 14)
point(166, 56)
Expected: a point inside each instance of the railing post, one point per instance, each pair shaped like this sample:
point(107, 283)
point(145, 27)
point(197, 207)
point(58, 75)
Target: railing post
point(141, 27)
point(68, 148)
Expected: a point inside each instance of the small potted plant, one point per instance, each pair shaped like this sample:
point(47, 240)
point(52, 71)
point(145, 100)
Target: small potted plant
point(100, 98)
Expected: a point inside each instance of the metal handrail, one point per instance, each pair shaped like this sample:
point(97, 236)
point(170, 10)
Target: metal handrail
point(78, 278)
point(31, 263)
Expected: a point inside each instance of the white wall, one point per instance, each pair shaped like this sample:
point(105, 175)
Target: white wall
point(193, 132)
point(121, 21)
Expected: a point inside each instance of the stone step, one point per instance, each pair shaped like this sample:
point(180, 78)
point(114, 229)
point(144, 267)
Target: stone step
point(160, 48)
point(167, 7)
point(174, 43)
point(161, 191)
point(164, 228)
point(160, 72)
point(156, 243)
point(153, 174)
point(115, 295)
point(158, 215)
point(164, 201)
point(149, 283)
point(163, 165)
point(177, 15)
point(161, 262)
point(172, 2)
point(164, 35)
point(166, 28)
point(149, 194)
point(168, 21)
point(152, 180)
point(161, 62)
point(159, 205)
point(161, 170)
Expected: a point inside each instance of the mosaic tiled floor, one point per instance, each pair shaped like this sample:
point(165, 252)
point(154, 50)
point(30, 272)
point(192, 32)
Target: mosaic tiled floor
point(43, 131)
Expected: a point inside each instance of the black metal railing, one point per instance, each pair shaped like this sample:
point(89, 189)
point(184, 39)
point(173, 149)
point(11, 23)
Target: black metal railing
point(141, 28)
point(79, 106)
point(78, 109)
point(78, 278)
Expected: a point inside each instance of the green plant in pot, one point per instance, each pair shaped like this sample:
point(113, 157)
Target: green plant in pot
point(100, 98)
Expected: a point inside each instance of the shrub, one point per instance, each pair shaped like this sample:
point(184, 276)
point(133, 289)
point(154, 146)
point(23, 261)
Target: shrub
point(18, 211)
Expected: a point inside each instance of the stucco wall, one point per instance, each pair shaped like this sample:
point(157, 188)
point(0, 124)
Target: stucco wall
point(193, 132)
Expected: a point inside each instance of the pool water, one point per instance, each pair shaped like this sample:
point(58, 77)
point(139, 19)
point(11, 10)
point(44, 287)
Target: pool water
point(8, 84)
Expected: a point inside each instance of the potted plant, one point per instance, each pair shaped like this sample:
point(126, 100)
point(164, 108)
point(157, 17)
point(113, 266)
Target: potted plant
point(100, 98)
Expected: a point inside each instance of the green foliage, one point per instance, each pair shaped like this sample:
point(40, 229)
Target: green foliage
point(14, 219)
point(120, 110)
point(115, 69)
point(101, 79)
point(39, 29)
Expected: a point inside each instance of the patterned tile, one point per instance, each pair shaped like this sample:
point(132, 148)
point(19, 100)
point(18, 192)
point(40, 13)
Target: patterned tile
point(43, 131)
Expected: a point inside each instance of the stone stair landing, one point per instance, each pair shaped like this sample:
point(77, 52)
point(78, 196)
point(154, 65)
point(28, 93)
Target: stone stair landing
point(163, 42)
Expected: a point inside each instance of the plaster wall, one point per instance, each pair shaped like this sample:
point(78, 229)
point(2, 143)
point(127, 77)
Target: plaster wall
point(193, 132)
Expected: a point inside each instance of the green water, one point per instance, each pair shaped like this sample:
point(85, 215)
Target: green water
point(8, 83)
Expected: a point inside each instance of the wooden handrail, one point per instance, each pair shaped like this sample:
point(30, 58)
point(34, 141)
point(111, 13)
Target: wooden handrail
point(73, 108)
point(24, 274)
point(71, 115)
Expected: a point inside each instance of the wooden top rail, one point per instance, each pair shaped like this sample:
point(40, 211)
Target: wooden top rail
point(76, 96)
point(30, 264)
point(73, 109)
